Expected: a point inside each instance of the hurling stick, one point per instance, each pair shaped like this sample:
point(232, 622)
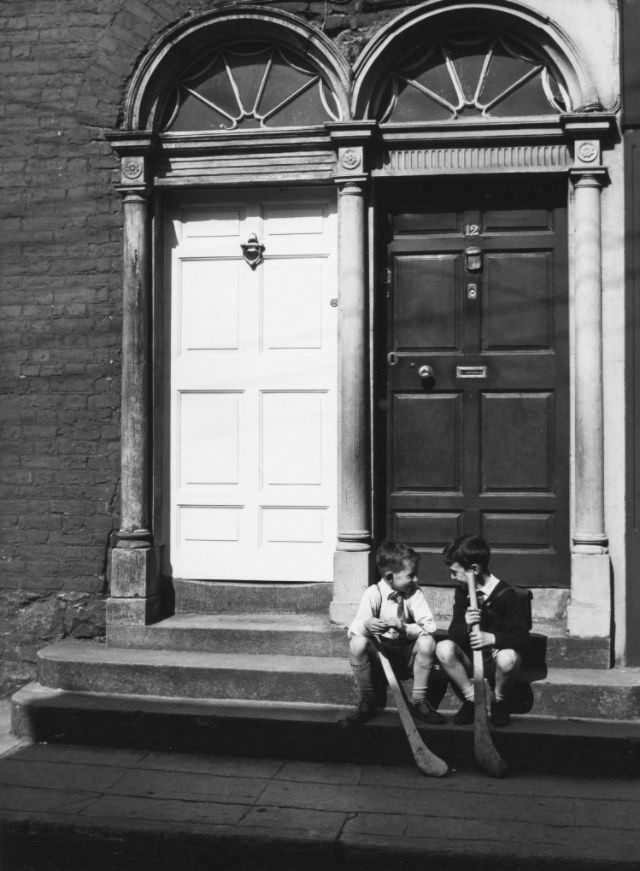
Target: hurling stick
point(425, 759)
point(484, 749)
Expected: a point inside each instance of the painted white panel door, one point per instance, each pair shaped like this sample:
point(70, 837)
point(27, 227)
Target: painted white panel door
point(253, 390)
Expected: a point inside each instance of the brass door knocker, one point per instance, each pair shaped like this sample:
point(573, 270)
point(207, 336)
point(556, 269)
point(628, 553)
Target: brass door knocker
point(252, 251)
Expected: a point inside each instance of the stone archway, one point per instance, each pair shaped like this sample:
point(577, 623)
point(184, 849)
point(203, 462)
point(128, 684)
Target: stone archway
point(199, 36)
point(436, 17)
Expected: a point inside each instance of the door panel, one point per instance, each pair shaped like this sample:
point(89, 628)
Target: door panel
point(505, 297)
point(477, 292)
point(436, 421)
point(522, 461)
point(253, 391)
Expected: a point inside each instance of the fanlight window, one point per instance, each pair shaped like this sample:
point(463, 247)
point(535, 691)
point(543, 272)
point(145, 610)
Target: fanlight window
point(254, 86)
point(484, 76)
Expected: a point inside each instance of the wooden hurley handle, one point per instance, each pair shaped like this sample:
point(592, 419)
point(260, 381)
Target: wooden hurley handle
point(426, 760)
point(471, 583)
point(485, 751)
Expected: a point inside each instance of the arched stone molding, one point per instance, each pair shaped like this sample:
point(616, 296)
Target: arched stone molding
point(439, 17)
point(179, 47)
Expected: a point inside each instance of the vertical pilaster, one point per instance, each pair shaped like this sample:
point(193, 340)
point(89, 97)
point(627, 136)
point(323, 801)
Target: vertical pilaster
point(133, 594)
point(136, 401)
point(590, 607)
point(351, 561)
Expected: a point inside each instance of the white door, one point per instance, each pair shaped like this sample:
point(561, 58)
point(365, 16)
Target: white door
point(253, 390)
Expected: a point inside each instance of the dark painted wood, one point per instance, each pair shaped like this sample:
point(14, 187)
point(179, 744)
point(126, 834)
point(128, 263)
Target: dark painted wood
point(632, 163)
point(486, 455)
point(630, 11)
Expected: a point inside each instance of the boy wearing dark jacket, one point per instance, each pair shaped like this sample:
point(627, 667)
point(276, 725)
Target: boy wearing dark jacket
point(499, 627)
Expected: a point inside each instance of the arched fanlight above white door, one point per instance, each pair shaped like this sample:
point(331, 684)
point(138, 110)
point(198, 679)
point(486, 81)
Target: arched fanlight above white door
point(250, 86)
point(246, 68)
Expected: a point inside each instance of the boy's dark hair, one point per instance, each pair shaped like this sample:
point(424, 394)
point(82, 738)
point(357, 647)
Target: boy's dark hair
point(393, 556)
point(468, 550)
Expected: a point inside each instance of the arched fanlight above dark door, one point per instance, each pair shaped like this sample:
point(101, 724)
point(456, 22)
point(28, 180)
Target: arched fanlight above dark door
point(468, 63)
point(470, 75)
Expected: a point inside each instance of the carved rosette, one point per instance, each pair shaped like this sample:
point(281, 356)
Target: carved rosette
point(350, 161)
point(587, 152)
point(132, 171)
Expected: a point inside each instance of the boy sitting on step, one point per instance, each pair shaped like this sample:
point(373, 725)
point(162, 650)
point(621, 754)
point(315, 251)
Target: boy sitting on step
point(395, 613)
point(499, 627)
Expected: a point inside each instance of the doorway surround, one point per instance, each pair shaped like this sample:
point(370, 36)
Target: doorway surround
point(354, 148)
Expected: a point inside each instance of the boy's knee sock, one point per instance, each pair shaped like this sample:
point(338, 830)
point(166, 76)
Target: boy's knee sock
point(364, 680)
point(418, 694)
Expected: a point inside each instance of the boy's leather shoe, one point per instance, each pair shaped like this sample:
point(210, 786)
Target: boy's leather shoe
point(499, 714)
point(365, 711)
point(465, 715)
point(423, 711)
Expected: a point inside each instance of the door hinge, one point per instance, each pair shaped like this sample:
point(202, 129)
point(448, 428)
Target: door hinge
point(388, 281)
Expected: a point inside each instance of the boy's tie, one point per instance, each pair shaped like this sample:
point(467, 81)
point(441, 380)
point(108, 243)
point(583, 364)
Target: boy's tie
point(398, 598)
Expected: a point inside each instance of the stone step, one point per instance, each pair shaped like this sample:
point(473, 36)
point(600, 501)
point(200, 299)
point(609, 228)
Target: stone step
point(315, 732)
point(78, 666)
point(219, 597)
point(301, 634)
point(287, 634)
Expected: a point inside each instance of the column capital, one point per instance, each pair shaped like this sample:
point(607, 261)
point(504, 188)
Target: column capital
point(593, 177)
point(351, 186)
point(134, 194)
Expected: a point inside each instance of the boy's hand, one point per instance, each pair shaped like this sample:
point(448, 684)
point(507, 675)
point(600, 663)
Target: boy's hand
point(479, 639)
point(375, 625)
point(472, 616)
point(395, 623)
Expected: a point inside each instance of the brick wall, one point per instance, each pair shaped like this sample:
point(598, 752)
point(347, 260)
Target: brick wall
point(64, 73)
point(65, 68)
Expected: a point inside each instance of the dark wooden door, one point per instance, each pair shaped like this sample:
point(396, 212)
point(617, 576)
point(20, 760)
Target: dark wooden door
point(477, 291)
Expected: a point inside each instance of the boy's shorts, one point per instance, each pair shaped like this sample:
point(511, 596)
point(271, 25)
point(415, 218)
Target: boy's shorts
point(489, 656)
point(400, 654)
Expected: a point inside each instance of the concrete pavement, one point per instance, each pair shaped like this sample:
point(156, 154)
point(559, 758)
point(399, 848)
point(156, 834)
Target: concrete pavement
point(106, 809)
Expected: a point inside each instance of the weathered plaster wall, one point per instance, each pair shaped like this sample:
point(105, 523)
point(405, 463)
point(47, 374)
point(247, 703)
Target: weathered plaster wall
point(592, 26)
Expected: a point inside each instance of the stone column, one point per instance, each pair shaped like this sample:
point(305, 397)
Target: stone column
point(351, 562)
point(590, 606)
point(133, 593)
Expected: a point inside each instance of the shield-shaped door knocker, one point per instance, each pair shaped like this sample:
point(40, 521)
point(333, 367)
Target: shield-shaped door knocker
point(252, 251)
